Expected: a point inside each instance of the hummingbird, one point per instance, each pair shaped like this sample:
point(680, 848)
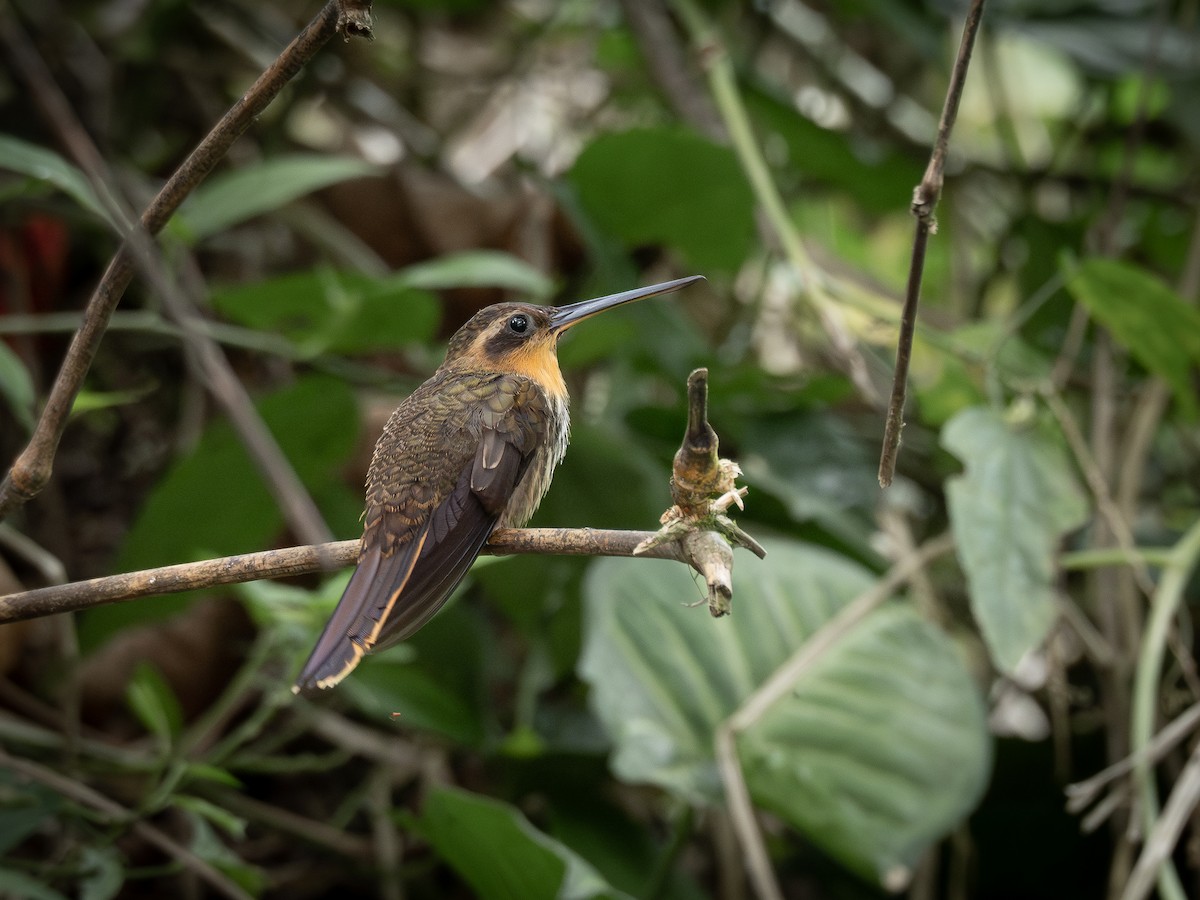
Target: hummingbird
point(472, 449)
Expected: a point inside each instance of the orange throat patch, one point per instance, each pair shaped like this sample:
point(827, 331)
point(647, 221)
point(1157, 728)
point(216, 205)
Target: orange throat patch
point(539, 362)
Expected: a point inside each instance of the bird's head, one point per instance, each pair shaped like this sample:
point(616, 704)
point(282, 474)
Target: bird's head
point(523, 337)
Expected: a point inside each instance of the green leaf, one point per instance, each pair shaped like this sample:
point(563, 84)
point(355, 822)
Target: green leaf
point(89, 401)
point(1009, 511)
point(669, 186)
point(495, 849)
point(816, 464)
point(199, 771)
point(47, 166)
point(233, 197)
point(478, 268)
point(1143, 314)
point(887, 720)
point(16, 387)
point(295, 613)
point(214, 501)
point(154, 703)
point(232, 825)
point(865, 756)
point(323, 311)
point(103, 875)
point(209, 847)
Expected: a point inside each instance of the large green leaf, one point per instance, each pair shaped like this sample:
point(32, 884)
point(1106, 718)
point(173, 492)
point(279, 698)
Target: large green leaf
point(887, 721)
point(48, 167)
point(1160, 330)
point(1009, 511)
point(869, 755)
point(233, 197)
point(669, 186)
point(495, 849)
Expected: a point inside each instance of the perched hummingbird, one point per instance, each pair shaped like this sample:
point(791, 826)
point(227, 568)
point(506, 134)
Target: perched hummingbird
point(470, 450)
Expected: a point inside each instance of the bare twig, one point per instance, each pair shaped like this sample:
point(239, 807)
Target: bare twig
point(48, 566)
point(924, 205)
point(1120, 528)
point(291, 561)
point(741, 813)
point(32, 468)
point(1163, 837)
point(782, 681)
point(1081, 794)
point(385, 838)
point(652, 29)
point(201, 351)
point(312, 831)
point(299, 509)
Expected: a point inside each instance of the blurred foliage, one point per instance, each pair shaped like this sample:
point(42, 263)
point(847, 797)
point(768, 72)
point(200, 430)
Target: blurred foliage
point(552, 732)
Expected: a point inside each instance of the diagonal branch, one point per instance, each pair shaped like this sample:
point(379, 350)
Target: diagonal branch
point(31, 470)
point(201, 350)
point(924, 204)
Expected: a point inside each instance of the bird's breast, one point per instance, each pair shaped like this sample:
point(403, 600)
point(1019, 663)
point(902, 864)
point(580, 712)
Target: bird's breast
point(536, 480)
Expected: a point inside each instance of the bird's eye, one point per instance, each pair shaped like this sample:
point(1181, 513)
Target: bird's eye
point(518, 324)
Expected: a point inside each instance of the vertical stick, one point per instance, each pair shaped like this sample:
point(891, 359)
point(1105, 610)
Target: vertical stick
point(925, 199)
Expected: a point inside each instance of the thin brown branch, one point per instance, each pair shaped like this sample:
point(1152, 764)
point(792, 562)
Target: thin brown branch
point(31, 470)
point(924, 205)
point(203, 353)
point(292, 561)
point(1082, 794)
point(311, 831)
point(1121, 530)
point(207, 358)
point(385, 837)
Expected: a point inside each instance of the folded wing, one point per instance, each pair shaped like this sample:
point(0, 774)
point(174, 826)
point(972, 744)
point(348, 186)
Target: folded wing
point(428, 516)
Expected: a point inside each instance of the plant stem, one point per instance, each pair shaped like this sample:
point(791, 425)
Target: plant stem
point(1164, 605)
point(924, 205)
point(722, 80)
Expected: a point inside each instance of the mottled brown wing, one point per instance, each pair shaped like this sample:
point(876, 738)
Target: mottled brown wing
point(446, 465)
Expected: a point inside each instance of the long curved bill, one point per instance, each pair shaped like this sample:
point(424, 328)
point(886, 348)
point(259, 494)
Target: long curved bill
point(563, 317)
